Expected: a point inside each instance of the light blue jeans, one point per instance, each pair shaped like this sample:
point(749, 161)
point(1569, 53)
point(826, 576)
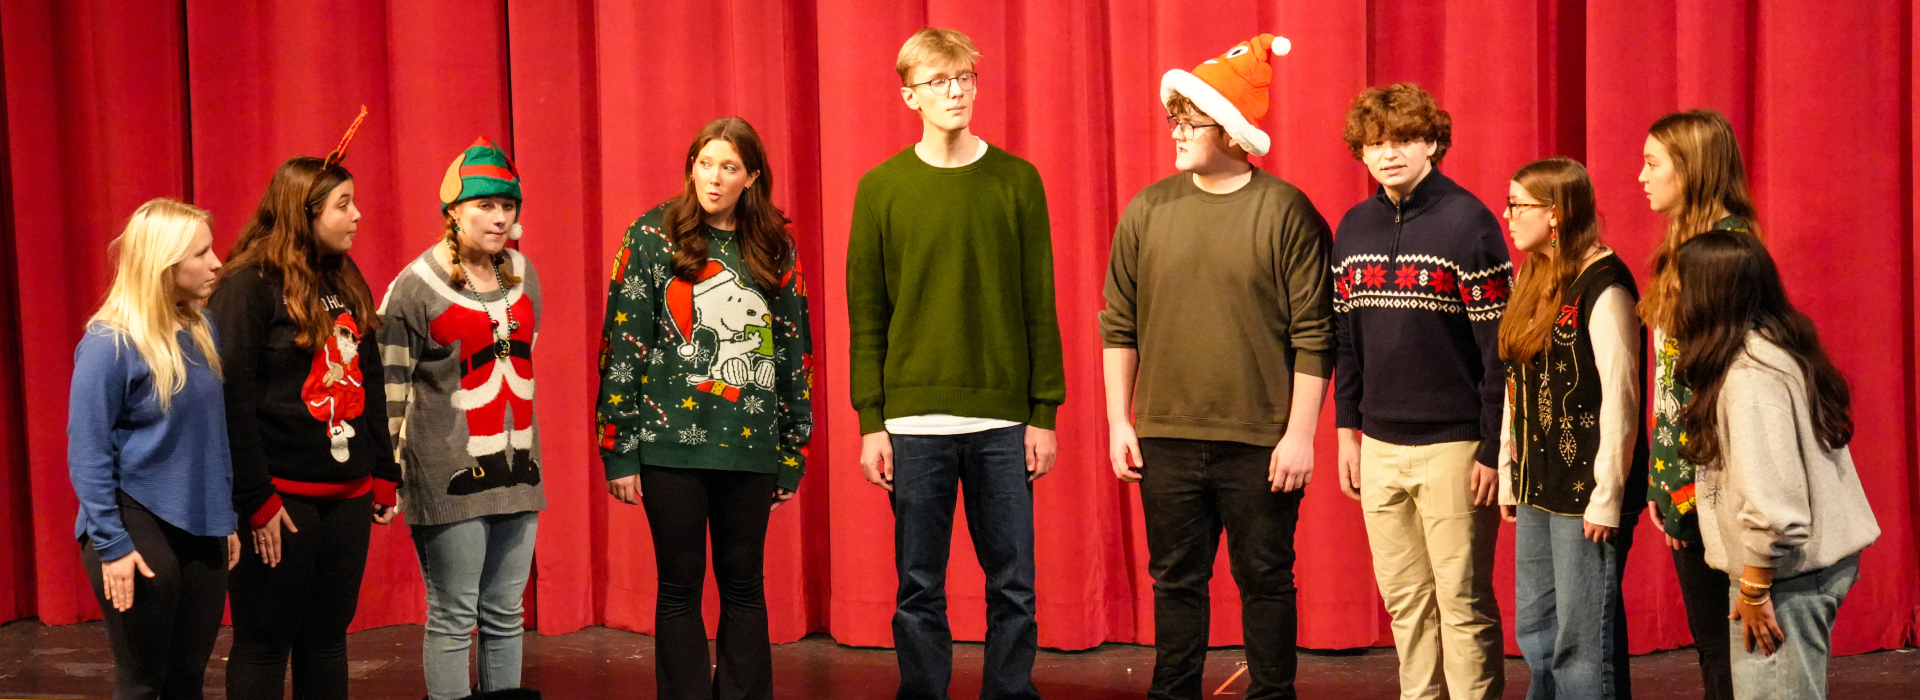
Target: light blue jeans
point(1568, 616)
point(476, 572)
point(1805, 606)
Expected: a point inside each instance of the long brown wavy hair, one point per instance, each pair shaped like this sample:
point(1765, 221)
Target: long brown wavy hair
point(765, 245)
point(1706, 159)
point(1563, 184)
point(1729, 287)
point(280, 241)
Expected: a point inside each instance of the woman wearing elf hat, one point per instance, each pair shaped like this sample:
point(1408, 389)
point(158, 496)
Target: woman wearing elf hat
point(297, 323)
point(705, 413)
point(459, 325)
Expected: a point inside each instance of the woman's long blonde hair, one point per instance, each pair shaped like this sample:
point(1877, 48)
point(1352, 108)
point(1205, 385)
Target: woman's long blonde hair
point(142, 307)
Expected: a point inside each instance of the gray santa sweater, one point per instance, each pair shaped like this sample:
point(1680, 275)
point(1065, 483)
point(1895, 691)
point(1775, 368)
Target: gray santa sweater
point(459, 374)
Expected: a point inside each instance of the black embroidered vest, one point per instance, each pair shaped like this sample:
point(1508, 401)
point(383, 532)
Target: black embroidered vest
point(1556, 402)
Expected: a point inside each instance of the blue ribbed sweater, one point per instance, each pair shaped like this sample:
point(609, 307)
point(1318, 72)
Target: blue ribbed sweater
point(174, 463)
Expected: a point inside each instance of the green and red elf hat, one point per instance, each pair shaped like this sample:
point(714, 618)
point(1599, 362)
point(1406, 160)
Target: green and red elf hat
point(483, 170)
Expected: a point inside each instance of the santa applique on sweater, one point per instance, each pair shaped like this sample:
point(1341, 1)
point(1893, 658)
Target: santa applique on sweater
point(335, 391)
point(495, 341)
point(725, 327)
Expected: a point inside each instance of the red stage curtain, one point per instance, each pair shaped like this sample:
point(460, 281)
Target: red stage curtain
point(110, 103)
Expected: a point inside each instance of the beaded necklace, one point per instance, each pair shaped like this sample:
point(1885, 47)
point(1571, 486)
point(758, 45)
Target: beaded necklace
point(502, 345)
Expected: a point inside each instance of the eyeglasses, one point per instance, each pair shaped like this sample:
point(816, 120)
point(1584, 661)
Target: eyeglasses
point(1512, 205)
point(1185, 130)
point(964, 80)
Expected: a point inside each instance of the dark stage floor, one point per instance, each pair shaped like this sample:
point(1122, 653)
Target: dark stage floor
point(38, 661)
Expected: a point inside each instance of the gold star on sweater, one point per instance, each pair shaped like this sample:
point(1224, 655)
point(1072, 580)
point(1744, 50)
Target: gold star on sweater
point(687, 403)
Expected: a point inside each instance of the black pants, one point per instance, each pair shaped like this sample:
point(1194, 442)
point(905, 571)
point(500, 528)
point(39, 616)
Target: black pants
point(1190, 490)
point(1704, 591)
point(161, 644)
point(683, 507)
point(300, 608)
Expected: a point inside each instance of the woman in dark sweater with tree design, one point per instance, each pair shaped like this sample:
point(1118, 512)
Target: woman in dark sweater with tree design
point(312, 463)
point(706, 379)
point(1692, 173)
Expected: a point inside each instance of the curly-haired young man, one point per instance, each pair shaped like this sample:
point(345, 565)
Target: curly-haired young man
point(1421, 275)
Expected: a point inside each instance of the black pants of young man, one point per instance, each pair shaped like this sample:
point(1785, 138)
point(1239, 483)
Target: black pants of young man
point(1190, 490)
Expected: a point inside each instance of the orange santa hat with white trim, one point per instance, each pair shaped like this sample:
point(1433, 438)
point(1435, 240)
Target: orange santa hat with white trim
point(1232, 89)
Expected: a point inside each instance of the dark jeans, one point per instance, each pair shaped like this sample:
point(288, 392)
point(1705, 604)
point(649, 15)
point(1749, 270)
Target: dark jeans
point(1189, 491)
point(161, 644)
point(1704, 591)
point(990, 468)
point(301, 607)
point(683, 507)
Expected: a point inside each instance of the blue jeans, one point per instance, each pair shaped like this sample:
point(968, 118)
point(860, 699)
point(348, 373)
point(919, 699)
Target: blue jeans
point(475, 571)
point(929, 470)
point(1568, 616)
point(1805, 606)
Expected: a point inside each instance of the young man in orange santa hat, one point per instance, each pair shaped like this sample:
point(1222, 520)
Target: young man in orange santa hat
point(1219, 339)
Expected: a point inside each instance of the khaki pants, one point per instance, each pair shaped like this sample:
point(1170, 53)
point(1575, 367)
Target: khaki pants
point(1433, 558)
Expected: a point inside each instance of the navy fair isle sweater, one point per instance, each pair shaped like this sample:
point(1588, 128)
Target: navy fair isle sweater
point(1419, 287)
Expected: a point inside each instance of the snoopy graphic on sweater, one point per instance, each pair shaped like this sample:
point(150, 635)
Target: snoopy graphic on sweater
point(724, 325)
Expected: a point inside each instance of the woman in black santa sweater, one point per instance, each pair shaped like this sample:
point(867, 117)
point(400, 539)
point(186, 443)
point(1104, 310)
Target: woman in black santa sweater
point(313, 465)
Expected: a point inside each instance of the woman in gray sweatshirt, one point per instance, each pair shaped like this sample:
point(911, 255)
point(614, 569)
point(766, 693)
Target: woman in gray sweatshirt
point(1782, 511)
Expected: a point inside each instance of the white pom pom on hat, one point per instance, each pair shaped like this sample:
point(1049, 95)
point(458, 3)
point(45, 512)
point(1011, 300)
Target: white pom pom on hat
point(1232, 88)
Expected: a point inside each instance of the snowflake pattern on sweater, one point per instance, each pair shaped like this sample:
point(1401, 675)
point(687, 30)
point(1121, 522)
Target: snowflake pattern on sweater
point(705, 373)
point(1421, 282)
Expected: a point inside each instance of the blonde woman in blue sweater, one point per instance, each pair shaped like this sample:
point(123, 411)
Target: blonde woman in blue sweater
point(147, 453)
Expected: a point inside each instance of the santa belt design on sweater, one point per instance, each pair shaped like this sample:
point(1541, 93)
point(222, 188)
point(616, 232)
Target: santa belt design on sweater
point(480, 359)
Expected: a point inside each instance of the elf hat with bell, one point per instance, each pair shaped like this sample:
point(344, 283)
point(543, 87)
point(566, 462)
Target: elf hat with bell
point(1232, 89)
point(483, 170)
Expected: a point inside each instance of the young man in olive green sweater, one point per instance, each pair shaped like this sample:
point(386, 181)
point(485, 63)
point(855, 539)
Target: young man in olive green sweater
point(1219, 340)
point(956, 368)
